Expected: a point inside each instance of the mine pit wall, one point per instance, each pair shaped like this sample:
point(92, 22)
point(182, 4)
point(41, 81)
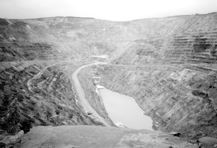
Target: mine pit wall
point(86, 79)
point(35, 86)
point(30, 99)
point(177, 99)
point(178, 87)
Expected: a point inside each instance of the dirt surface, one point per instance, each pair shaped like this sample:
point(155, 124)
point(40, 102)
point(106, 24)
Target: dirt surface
point(98, 137)
point(83, 101)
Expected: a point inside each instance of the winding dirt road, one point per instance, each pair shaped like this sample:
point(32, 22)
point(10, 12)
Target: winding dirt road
point(83, 101)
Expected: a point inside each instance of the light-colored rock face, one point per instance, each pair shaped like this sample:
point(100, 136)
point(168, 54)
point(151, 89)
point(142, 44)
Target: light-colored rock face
point(167, 64)
point(174, 78)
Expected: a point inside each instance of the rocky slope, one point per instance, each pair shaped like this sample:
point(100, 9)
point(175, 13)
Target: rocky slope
point(167, 64)
point(174, 78)
point(36, 86)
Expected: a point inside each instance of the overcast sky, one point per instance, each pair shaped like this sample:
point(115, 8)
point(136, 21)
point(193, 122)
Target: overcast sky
point(118, 10)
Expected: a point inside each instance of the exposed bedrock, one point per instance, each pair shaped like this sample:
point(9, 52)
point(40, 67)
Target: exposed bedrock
point(167, 64)
point(173, 79)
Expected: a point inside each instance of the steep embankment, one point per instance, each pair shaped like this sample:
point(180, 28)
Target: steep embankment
point(86, 102)
point(35, 79)
point(172, 72)
point(174, 78)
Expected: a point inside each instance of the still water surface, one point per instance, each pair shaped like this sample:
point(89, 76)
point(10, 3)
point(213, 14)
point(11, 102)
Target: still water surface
point(124, 110)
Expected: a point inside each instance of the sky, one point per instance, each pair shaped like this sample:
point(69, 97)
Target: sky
point(115, 10)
